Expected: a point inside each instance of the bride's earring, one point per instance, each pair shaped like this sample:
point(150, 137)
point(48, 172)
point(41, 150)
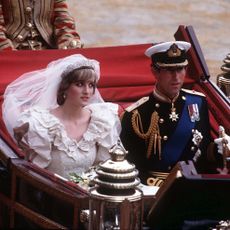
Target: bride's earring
point(64, 96)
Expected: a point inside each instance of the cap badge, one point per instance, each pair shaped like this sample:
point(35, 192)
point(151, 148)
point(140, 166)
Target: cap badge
point(174, 51)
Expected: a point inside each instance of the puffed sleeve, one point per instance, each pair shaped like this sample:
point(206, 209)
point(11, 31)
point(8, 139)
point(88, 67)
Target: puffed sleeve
point(37, 138)
point(106, 143)
point(107, 128)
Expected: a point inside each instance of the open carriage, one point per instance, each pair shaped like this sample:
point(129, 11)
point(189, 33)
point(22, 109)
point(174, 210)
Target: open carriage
point(125, 77)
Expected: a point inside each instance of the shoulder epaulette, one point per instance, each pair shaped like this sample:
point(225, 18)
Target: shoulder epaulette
point(137, 104)
point(193, 92)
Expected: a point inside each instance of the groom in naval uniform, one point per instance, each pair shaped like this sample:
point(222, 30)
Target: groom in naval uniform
point(169, 125)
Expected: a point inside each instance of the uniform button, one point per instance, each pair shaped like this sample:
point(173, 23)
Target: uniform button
point(73, 44)
point(19, 38)
point(183, 98)
point(165, 138)
point(161, 120)
point(29, 25)
point(192, 148)
point(28, 9)
point(169, 168)
point(157, 105)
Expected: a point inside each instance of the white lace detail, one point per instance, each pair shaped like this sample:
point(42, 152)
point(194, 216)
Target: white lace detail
point(102, 129)
point(103, 117)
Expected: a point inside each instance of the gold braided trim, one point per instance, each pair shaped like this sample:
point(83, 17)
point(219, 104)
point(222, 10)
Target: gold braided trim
point(160, 175)
point(152, 135)
point(154, 182)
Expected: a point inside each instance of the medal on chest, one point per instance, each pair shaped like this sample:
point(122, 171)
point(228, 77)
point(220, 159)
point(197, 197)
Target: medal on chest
point(194, 112)
point(173, 116)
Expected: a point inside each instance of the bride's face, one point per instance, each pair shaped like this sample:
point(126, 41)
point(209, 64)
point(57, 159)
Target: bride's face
point(80, 92)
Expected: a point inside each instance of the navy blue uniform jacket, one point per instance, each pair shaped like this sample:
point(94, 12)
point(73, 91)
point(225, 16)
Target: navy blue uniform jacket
point(176, 142)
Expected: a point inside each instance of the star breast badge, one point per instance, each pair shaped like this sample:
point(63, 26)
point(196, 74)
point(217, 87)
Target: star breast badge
point(173, 116)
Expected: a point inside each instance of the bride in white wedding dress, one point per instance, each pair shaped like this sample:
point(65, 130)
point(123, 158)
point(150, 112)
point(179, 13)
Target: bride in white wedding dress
point(58, 117)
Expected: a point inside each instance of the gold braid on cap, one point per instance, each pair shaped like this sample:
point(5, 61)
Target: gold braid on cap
point(152, 136)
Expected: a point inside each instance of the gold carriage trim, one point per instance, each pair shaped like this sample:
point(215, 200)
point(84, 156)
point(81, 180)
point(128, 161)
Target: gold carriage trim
point(152, 136)
point(151, 181)
point(156, 178)
point(159, 175)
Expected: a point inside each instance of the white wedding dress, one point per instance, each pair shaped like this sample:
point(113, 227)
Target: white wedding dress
point(57, 152)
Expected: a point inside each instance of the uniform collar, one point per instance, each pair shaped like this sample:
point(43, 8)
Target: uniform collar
point(160, 96)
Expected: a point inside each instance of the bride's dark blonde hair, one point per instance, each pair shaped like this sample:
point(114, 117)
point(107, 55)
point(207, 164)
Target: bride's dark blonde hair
point(81, 74)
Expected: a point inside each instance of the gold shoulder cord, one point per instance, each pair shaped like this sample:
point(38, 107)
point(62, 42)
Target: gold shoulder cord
point(153, 133)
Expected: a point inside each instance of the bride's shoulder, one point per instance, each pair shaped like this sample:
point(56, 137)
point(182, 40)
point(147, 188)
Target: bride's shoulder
point(103, 108)
point(38, 116)
point(103, 115)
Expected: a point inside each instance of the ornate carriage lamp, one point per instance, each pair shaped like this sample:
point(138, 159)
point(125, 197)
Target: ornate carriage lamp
point(223, 79)
point(115, 202)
